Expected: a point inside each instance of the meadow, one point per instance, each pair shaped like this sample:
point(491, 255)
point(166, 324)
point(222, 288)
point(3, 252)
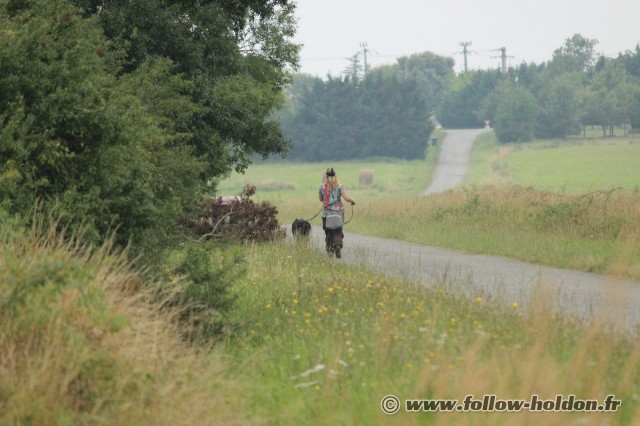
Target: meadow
point(84, 338)
point(573, 165)
point(324, 345)
point(308, 342)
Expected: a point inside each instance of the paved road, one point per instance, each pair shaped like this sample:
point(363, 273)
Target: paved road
point(454, 160)
point(497, 279)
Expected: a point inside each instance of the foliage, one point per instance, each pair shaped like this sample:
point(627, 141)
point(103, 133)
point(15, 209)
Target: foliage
point(204, 296)
point(81, 344)
point(121, 113)
point(515, 116)
point(240, 219)
point(576, 55)
point(344, 118)
point(432, 73)
point(237, 55)
point(611, 97)
point(574, 89)
point(75, 137)
point(630, 60)
point(560, 107)
point(462, 107)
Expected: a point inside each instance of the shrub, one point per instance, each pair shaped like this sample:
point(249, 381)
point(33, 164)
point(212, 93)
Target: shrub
point(204, 296)
point(239, 219)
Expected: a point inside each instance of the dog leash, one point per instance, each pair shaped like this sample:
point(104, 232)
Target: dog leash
point(316, 215)
point(351, 216)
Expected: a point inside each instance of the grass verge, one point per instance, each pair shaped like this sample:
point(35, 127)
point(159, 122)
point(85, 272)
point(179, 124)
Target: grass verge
point(323, 343)
point(578, 232)
point(80, 343)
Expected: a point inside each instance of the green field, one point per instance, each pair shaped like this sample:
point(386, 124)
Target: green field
point(572, 165)
point(278, 181)
point(293, 187)
point(312, 341)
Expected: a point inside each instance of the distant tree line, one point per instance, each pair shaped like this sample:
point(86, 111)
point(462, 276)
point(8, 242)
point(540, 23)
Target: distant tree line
point(576, 88)
point(367, 115)
point(383, 113)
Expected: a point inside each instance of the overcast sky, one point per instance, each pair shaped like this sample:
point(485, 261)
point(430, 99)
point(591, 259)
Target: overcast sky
point(332, 30)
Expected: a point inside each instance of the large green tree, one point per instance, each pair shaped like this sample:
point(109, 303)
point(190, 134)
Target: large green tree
point(560, 106)
point(432, 73)
point(462, 106)
point(237, 54)
point(516, 115)
point(76, 137)
point(119, 112)
point(611, 98)
point(577, 54)
point(345, 118)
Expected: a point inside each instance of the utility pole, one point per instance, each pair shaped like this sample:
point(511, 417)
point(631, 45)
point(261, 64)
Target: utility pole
point(465, 52)
point(503, 56)
point(365, 50)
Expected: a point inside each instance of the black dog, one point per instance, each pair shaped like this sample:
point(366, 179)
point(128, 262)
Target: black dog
point(301, 228)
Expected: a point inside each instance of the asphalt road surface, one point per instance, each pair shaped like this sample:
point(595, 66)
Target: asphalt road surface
point(497, 279)
point(454, 160)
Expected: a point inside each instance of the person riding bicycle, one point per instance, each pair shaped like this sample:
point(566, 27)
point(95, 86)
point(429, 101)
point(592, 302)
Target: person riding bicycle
point(331, 194)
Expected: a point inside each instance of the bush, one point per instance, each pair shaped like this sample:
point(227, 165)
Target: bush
point(239, 219)
point(204, 295)
point(73, 136)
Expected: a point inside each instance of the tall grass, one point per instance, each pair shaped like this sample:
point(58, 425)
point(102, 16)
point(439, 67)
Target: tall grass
point(80, 343)
point(323, 343)
point(575, 231)
point(310, 341)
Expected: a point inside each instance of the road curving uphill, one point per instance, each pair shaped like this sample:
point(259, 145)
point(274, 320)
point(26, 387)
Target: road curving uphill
point(454, 160)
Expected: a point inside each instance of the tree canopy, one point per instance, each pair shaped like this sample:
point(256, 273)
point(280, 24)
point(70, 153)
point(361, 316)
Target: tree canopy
point(343, 118)
point(385, 113)
point(120, 113)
